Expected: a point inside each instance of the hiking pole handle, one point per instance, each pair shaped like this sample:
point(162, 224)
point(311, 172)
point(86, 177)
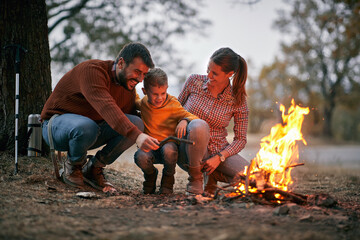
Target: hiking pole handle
point(17, 54)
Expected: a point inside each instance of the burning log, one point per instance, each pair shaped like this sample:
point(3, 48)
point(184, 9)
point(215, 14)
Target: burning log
point(268, 196)
point(288, 196)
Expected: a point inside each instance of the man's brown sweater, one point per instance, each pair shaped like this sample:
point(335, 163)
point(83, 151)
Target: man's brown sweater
point(89, 90)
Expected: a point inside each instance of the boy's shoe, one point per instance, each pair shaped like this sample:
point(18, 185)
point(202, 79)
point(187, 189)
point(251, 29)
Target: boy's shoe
point(72, 174)
point(149, 185)
point(167, 184)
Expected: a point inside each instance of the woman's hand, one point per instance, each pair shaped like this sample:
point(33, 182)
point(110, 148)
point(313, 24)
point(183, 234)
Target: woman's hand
point(211, 164)
point(180, 130)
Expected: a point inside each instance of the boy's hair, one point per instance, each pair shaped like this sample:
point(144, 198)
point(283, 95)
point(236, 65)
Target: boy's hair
point(156, 78)
point(133, 50)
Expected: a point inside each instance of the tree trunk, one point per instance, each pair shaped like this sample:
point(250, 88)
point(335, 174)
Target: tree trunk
point(23, 23)
point(328, 112)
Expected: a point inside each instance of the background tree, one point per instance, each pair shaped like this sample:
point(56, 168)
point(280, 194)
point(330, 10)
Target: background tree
point(23, 24)
point(80, 29)
point(324, 48)
point(320, 62)
point(84, 29)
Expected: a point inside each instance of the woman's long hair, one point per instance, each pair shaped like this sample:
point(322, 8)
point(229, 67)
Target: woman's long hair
point(229, 61)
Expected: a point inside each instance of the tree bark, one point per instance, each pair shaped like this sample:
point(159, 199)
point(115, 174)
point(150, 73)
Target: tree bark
point(328, 112)
point(329, 107)
point(23, 23)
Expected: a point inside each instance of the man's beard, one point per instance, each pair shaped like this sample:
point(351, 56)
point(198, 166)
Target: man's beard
point(125, 82)
point(121, 79)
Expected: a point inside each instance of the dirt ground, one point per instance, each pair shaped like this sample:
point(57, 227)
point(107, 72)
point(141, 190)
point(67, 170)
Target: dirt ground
point(33, 205)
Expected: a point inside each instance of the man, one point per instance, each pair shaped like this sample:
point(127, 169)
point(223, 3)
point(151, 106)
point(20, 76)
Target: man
point(93, 105)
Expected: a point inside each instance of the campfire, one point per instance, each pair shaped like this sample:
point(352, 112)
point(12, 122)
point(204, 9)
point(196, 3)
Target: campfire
point(268, 177)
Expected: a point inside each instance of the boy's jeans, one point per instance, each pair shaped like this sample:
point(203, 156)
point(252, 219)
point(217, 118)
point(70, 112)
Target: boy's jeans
point(77, 134)
point(167, 155)
point(186, 154)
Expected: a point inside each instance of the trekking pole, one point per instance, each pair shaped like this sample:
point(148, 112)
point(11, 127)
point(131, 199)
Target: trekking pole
point(17, 77)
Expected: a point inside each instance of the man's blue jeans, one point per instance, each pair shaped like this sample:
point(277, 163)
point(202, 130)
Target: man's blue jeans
point(77, 134)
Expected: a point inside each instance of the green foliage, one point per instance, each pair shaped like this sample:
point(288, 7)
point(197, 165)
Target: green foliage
point(347, 124)
point(83, 29)
point(319, 64)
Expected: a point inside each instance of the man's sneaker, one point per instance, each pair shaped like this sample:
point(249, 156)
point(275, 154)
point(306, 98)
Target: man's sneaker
point(94, 175)
point(72, 174)
point(149, 185)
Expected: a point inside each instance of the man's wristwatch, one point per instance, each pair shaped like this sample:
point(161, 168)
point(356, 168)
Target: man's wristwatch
point(222, 158)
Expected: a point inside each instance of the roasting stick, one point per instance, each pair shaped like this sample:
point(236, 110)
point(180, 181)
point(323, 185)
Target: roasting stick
point(175, 139)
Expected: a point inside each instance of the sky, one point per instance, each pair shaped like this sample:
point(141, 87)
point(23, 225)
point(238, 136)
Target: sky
point(247, 29)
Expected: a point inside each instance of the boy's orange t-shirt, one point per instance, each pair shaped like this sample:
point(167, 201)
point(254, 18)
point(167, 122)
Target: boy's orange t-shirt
point(161, 122)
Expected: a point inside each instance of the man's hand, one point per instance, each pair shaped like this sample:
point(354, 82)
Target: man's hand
point(147, 143)
point(180, 130)
point(211, 164)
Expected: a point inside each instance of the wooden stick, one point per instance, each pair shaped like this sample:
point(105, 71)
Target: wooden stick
point(261, 200)
point(252, 162)
point(233, 198)
point(175, 139)
point(295, 165)
point(294, 197)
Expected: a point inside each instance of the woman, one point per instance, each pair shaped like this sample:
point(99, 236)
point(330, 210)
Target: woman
point(214, 99)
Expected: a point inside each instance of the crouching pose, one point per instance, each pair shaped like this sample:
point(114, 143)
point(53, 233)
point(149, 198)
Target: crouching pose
point(94, 105)
point(217, 98)
point(163, 116)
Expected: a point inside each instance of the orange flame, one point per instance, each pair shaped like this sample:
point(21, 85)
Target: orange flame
point(279, 151)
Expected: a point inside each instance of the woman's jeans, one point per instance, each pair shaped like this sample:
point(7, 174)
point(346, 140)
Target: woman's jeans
point(232, 166)
point(192, 155)
point(77, 134)
point(197, 154)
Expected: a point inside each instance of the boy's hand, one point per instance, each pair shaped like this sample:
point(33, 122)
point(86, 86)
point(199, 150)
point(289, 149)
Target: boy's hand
point(147, 143)
point(180, 130)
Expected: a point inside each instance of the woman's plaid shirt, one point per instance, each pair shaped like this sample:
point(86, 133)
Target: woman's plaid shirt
point(217, 112)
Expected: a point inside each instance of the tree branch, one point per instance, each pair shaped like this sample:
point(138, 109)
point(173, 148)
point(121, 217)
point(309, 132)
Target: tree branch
point(71, 12)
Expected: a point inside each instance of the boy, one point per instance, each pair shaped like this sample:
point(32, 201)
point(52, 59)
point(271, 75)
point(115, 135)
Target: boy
point(163, 116)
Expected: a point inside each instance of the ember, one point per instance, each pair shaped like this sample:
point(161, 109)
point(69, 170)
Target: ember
point(268, 177)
